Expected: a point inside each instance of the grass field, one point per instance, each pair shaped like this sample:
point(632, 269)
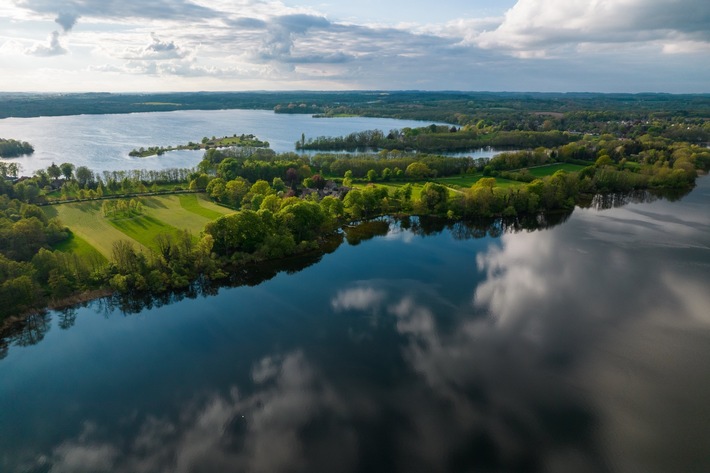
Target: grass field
point(469, 180)
point(393, 186)
point(161, 214)
point(77, 245)
point(143, 228)
point(199, 205)
point(86, 221)
point(170, 209)
point(542, 171)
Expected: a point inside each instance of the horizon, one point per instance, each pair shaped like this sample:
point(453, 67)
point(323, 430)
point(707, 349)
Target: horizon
point(516, 46)
point(344, 91)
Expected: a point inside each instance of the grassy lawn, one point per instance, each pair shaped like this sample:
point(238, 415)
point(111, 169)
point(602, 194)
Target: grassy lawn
point(80, 247)
point(199, 205)
point(86, 221)
point(393, 186)
point(542, 171)
point(161, 214)
point(168, 210)
point(469, 180)
point(143, 228)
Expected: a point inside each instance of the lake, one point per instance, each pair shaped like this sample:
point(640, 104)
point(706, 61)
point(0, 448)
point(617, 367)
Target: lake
point(102, 142)
point(581, 346)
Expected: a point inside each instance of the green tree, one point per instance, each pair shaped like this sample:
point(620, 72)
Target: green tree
point(418, 170)
point(67, 170)
point(54, 171)
point(434, 197)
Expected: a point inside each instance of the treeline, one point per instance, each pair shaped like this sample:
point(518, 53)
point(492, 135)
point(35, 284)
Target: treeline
point(67, 182)
point(13, 148)
point(438, 139)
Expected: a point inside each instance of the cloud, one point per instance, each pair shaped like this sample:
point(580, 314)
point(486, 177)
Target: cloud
point(270, 430)
point(361, 298)
point(282, 33)
point(66, 21)
point(156, 50)
point(538, 27)
point(120, 10)
point(52, 48)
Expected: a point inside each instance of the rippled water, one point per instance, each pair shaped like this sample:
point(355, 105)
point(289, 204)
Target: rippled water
point(581, 347)
point(102, 142)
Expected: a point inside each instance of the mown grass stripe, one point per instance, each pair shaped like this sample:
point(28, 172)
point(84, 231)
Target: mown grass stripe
point(191, 203)
point(143, 228)
point(80, 247)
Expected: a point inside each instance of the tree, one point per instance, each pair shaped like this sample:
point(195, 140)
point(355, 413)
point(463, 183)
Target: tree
point(434, 197)
point(278, 184)
point(84, 176)
point(67, 169)
point(371, 175)
point(291, 176)
point(318, 181)
point(54, 171)
point(418, 170)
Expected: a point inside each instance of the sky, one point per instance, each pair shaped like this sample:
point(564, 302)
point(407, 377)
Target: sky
point(472, 45)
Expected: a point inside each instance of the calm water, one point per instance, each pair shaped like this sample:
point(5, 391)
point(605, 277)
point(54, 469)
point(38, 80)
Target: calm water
point(582, 347)
point(102, 142)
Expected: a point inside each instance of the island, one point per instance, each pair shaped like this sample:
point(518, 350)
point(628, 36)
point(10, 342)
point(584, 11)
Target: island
point(10, 148)
point(206, 143)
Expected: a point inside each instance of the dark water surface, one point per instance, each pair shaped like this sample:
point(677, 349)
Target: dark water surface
point(581, 347)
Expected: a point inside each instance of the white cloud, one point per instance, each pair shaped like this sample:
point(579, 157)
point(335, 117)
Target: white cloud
point(156, 50)
point(362, 298)
point(539, 27)
point(52, 48)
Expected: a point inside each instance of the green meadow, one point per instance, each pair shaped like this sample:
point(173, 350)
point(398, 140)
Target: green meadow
point(467, 181)
point(549, 170)
point(168, 214)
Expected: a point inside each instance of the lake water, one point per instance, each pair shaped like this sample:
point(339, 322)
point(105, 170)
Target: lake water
point(582, 347)
point(102, 142)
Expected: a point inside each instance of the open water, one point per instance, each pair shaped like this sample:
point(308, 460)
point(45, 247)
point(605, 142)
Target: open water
point(580, 346)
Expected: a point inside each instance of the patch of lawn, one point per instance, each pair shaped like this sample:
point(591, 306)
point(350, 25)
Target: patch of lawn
point(167, 209)
point(542, 171)
point(80, 247)
point(393, 186)
point(468, 180)
point(86, 221)
point(199, 206)
point(143, 228)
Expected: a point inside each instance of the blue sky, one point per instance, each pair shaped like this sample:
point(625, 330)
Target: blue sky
point(508, 45)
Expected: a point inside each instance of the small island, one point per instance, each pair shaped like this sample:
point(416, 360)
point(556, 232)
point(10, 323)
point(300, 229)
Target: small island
point(14, 148)
point(243, 140)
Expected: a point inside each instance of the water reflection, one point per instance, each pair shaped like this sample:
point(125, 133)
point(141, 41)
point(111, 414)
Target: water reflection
point(292, 420)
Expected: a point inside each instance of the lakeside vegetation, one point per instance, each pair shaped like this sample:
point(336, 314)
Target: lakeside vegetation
point(67, 231)
point(206, 143)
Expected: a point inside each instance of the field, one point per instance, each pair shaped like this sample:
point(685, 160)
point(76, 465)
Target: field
point(469, 180)
point(78, 246)
point(393, 186)
point(542, 171)
point(161, 214)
